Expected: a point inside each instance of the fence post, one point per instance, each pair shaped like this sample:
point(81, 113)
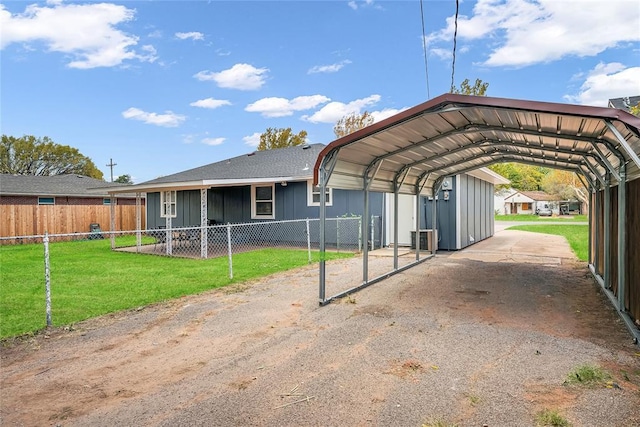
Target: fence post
point(359, 234)
point(308, 241)
point(229, 251)
point(47, 277)
point(338, 234)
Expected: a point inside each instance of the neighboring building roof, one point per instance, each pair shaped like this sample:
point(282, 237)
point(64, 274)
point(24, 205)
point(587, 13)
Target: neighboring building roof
point(294, 162)
point(624, 103)
point(277, 165)
point(537, 196)
point(56, 185)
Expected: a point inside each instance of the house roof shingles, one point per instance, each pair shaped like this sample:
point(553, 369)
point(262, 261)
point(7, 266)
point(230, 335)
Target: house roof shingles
point(624, 103)
point(296, 162)
point(56, 185)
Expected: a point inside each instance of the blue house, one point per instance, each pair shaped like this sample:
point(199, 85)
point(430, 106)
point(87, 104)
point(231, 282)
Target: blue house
point(270, 185)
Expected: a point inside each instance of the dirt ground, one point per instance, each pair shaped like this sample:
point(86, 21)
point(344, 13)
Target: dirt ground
point(485, 336)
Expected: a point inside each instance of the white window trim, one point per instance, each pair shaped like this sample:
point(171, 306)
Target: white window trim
point(254, 215)
point(173, 203)
point(310, 201)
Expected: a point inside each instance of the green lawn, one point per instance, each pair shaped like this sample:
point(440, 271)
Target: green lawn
point(582, 218)
point(88, 279)
point(576, 235)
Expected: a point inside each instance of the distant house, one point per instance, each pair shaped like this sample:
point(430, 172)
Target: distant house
point(60, 204)
point(529, 202)
point(624, 103)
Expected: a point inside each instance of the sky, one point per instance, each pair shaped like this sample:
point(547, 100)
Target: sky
point(158, 87)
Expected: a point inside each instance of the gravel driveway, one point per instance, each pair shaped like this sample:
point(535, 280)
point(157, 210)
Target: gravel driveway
point(485, 336)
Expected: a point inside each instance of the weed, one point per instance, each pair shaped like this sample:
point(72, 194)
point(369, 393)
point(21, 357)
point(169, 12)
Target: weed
point(349, 299)
point(551, 418)
point(587, 374)
point(474, 399)
point(439, 422)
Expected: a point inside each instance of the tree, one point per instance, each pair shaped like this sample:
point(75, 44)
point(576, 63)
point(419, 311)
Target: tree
point(635, 110)
point(478, 89)
point(124, 179)
point(566, 185)
point(29, 155)
point(280, 138)
point(351, 123)
point(522, 177)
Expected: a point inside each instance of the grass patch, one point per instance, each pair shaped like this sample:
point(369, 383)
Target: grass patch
point(576, 235)
point(536, 218)
point(88, 279)
point(588, 375)
point(551, 418)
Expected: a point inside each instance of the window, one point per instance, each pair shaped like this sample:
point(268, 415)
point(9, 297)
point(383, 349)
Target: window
point(262, 201)
point(46, 200)
point(167, 204)
point(313, 195)
point(526, 206)
point(106, 201)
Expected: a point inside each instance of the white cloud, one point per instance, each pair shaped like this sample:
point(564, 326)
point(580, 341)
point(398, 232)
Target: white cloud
point(252, 140)
point(281, 107)
point(210, 103)
point(526, 32)
point(193, 35)
point(213, 141)
point(353, 4)
point(333, 68)
point(168, 119)
point(607, 81)
point(86, 32)
point(240, 76)
point(334, 111)
point(385, 113)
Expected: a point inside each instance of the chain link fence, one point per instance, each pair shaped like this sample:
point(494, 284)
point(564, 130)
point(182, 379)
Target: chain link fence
point(342, 234)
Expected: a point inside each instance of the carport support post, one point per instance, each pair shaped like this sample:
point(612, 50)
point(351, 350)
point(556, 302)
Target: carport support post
point(622, 256)
point(322, 242)
point(597, 238)
point(607, 231)
point(395, 227)
point(434, 231)
point(365, 233)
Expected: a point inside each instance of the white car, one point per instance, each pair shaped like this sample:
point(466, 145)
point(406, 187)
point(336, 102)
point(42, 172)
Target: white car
point(544, 211)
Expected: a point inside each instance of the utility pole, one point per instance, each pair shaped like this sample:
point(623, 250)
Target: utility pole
point(111, 165)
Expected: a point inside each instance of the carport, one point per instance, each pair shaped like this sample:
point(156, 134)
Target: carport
point(413, 151)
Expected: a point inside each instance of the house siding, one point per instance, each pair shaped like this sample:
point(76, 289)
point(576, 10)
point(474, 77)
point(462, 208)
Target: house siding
point(233, 205)
point(475, 213)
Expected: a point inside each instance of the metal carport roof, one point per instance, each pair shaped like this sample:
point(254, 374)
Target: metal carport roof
point(453, 134)
point(412, 152)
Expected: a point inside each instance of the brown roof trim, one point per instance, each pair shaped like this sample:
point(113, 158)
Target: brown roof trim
point(484, 101)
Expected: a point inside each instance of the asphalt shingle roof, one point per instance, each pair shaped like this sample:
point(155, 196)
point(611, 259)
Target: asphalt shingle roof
point(624, 103)
point(57, 185)
point(295, 162)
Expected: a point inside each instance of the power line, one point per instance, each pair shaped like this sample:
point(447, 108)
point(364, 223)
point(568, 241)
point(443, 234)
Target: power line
point(424, 50)
point(455, 37)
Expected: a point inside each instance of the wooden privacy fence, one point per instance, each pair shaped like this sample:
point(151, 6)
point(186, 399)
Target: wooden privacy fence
point(632, 254)
point(34, 219)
